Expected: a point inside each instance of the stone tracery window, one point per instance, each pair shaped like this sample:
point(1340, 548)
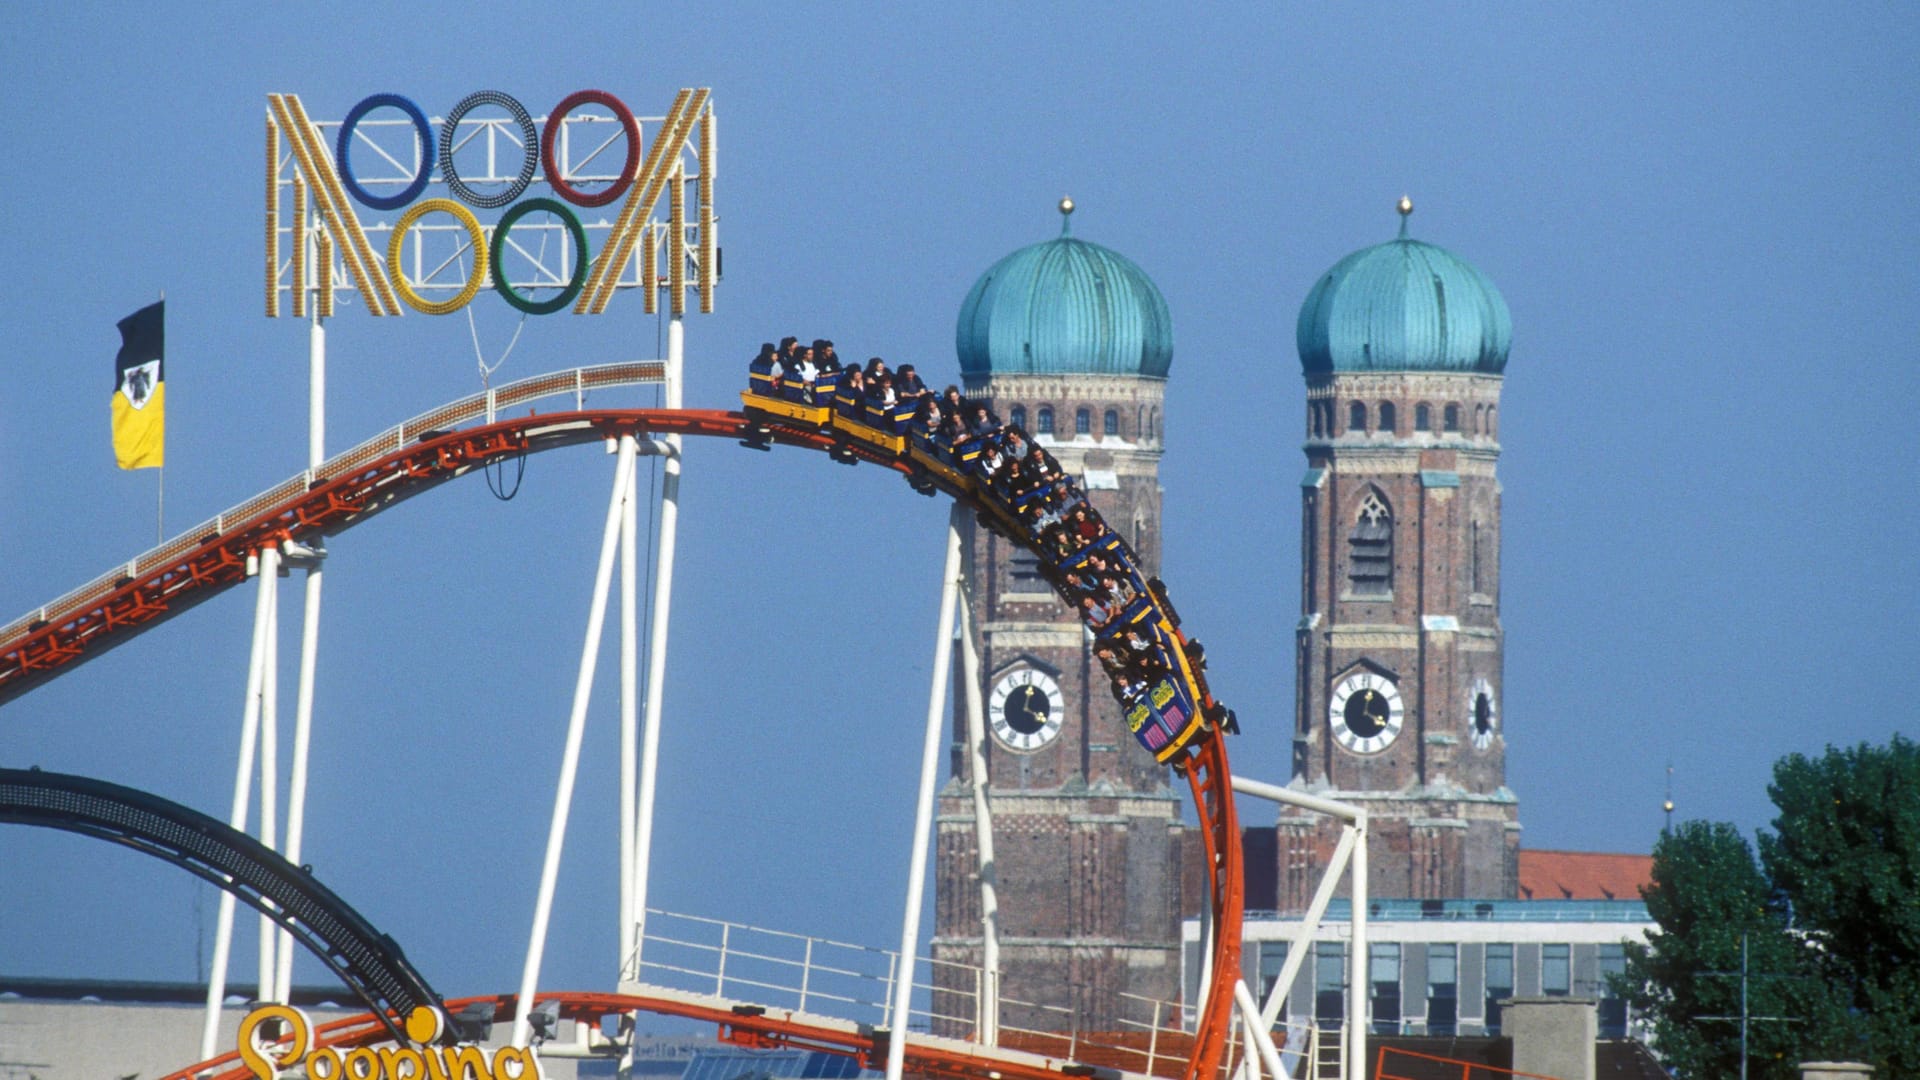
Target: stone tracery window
point(1370, 548)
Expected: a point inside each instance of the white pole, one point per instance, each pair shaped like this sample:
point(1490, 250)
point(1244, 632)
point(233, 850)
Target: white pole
point(629, 712)
point(269, 759)
point(570, 760)
point(242, 794)
point(989, 1018)
point(309, 633)
point(657, 646)
point(898, 1015)
point(302, 738)
point(1357, 970)
point(1257, 1033)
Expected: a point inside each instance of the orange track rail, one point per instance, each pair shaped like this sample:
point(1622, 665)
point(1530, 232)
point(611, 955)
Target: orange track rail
point(43, 650)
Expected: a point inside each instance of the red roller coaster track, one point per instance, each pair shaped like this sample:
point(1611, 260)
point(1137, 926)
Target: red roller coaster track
point(362, 482)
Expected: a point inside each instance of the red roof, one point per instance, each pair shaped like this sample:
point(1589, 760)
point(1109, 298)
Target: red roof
point(1583, 875)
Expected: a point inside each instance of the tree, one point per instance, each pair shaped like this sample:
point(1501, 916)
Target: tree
point(1707, 894)
point(1845, 852)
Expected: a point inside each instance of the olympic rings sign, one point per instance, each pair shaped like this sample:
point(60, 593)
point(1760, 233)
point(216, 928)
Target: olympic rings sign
point(592, 279)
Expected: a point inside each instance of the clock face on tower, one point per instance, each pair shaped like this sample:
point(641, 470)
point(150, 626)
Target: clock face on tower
point(1366, 712)
point(1483, 716)
point(1024, 710)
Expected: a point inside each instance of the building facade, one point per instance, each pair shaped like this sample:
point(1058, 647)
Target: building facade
point(1072, 342)
point(1398, 652)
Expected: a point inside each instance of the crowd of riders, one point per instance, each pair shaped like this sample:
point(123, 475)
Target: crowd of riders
point(1088, 563)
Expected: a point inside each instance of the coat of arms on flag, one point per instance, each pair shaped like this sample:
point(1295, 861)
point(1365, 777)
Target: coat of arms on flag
point(140, 391)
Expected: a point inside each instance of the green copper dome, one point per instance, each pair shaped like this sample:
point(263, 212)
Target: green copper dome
point(1404, 306)
point(1064, 307)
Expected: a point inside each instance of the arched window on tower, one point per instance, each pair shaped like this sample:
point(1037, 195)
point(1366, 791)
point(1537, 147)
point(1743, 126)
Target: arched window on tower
point(1452, 417)
point(1423, 417)
point(1082, 422)
point(1493, 425)
point(1357, 418)
point(1387, 419)
point(1017, 416)
point(1479, 419)
point(1313, 419)
point(1475, 579)
point(1110, 425)
point(1044, 423)
point(1370, 548)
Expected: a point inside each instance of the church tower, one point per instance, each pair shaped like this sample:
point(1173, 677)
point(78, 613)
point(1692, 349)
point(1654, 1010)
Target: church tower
point(1399, 645)
point(1070, 341)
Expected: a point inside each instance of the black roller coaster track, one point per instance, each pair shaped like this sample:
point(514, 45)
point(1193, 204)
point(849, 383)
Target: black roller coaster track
point(369, 962)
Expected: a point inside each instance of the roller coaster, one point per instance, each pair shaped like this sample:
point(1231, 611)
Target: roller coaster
point(470, 433)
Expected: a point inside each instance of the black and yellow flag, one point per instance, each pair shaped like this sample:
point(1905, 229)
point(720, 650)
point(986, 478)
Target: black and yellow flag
point(140, 390)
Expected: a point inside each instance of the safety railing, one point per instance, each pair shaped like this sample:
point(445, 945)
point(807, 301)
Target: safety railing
point(1393, 1063)
point(781, 970)
point(487, 405)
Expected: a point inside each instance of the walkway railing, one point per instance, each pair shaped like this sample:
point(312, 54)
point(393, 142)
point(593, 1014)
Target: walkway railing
point(780, 970)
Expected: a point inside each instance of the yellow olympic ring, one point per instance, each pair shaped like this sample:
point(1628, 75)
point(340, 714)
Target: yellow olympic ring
point(397, 241)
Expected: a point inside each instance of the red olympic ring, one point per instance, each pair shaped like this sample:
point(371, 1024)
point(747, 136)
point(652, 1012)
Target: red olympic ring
point(556, 119)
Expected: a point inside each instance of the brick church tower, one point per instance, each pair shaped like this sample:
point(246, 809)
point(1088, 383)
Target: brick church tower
point(1399, 645)
point(1072, 342)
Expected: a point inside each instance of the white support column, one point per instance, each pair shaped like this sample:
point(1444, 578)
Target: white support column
point(899, 1012)
point(302, 739)
point(989, 1005)
point(1257, 1032)
point(657, 649)
point(269, 763)
point(309, 634)
point(570, 757)
point(629, 712)
point(1357, 967)
point(267, 563)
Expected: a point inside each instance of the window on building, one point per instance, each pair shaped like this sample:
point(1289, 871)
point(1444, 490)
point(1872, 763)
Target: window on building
point(1613, 1008)
point(1452, 418)
point(1383, 987)
point(1082, 422)
point(1387, 419)
point(1017, 416)
point(1422, 417)
point(1313, 418)
point(1329, 984)
point(1499, 983)
point(1443, 989)
point(1475, 582)
point(1045, 421)
point(1357, 418)
point(1111, 424)
point(1556, 970)
point(1370, 549)
point(1273, 956)
point(1479, 419)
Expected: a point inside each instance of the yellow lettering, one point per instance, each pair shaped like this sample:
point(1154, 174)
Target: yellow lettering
point(468, 1061)
point(258, 1062)
point(392, 1060)
point(363, 1063)
point(528, 1065)
point(436, 1064)
point(323, 1064)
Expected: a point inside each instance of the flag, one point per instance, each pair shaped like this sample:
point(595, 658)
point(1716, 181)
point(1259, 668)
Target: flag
point(140, 390)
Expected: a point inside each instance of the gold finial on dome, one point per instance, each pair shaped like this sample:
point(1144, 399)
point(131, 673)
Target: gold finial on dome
point(1066, 205)
point(1406, 206)
point(1066, 214)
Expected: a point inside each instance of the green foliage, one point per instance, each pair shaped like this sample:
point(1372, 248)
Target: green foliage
point(1707, 894)
point(1831, 917)
point(1846, 852)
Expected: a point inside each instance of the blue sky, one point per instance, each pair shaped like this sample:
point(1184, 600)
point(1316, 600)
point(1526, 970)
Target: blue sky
point(1702, 221)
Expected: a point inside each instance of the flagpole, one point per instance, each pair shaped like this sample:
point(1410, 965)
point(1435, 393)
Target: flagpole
point(160, 495)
